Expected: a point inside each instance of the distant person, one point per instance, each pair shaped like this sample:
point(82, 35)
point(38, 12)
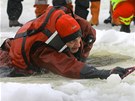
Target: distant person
point(81, 9)
point(40, 7)
point(14, 11)
point(109, 19)
point(95, 10)
point(122, 14)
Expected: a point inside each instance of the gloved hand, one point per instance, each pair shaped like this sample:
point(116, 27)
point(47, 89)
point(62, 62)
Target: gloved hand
point(91, 72)
point(103, 74)
point(119, 70)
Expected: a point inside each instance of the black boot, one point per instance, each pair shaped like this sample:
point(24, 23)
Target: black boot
point(125, 28)
point(14, 23)
point(108, 20)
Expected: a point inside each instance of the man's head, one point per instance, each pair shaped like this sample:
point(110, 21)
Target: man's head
point(69, 31)
point(74, 45)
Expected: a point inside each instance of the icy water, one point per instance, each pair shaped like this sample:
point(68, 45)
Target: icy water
point(101, 60)
point(106, 53)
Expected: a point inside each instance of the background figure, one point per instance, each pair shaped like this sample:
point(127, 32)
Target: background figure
point(81, 7)
point(122, 14)
point(108, 20)
point(41, 6)
point(14, 11)
point(95, 9)
point(66, 3)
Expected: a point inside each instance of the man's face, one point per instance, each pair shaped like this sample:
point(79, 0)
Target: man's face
point(74, 45)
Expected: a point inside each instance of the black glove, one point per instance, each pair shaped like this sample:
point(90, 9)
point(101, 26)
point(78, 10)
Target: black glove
point(119, 70)
point(91, 72)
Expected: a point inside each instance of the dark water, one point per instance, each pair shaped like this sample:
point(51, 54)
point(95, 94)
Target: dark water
point(105, 58)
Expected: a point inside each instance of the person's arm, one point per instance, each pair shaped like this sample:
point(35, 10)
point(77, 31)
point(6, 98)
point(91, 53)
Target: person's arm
point(67, 65)
point(88, 38)
point(89, 72)
point(60, 63)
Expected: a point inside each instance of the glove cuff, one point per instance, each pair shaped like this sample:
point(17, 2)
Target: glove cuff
point(91, 72)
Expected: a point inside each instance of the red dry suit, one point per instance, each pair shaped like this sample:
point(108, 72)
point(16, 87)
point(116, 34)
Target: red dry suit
point(31, 50)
